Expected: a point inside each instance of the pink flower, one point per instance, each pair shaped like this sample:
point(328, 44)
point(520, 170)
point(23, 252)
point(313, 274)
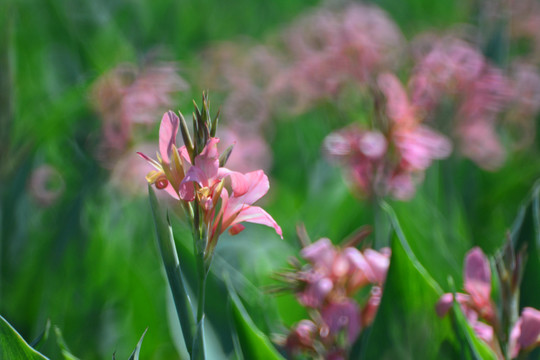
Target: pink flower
point(207, 174)
point(237, 208)
point(302, 336)
point(46, 185)
point(169, 168)
point(417, 144)
point(526, 332)
point(342, 316)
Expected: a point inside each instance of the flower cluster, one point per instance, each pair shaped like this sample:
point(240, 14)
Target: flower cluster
point(327, 286)
point(194, 175)
point(391, 159)
point(482, 314)
point(452, 68)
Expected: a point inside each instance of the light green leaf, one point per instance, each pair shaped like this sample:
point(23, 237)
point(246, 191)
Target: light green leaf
point(135, 353)
point(254, 345)
point(13, 346)
point(66, 353)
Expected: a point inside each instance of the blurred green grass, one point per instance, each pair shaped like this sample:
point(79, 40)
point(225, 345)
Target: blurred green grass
point(89, 262)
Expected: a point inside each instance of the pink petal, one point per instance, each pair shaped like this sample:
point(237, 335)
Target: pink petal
point(257, 215)
point(530, 328)
point(253, 184)
point(151, 161)
point(478, 277)
point(379, 264)
point(167, 134)
point(208, 159)
point(484, 332)
point(186, 190)
point(343, 316)
point(445, 302)
point(321, 253)
point(398, 107)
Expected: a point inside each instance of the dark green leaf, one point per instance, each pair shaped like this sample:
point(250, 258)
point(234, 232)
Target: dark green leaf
point(526, 233)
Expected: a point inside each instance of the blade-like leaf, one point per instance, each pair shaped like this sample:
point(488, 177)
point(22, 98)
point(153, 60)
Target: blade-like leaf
point(253, 343)
point(406, 324)
point(526, 232)
point(171, 262)
point(472, 347)
point(13, 346)
point(137, 350)
point(66, 353)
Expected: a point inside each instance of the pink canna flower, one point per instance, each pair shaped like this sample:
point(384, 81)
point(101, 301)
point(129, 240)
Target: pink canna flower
point(207, 174)
point(169, 168)
point(417, 144)
point(237, 208)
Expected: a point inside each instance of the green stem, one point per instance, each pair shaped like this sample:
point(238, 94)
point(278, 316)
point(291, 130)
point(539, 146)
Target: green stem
point(199, 246)
point(381, 235)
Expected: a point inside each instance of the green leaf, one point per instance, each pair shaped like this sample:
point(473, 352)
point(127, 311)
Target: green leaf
point(252, 342)
point(526, 232)
point(169, 255)
point(471, 346)
point(66, 353)
point(406, 324)
point(13, 346)
point(135, 353)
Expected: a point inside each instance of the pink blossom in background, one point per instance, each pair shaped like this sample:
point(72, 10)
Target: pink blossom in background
point(250, 151)
point(393, 162)
point(46, 185)
point(126, 98)
point(484, 96)
point(330, 49)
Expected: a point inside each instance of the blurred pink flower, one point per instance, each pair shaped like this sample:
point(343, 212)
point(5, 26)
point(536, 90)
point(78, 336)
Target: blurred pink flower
point(526, 332)
point(332, 49)
point(250, 152)
point(327, 286)
point(342, 316)
point(476, 304)
point(126, 97)
point(46, 185)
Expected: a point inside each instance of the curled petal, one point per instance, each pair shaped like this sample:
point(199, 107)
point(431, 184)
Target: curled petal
point(254, 185)
point(257, 215)
point(478, 277)
point(167, 134)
